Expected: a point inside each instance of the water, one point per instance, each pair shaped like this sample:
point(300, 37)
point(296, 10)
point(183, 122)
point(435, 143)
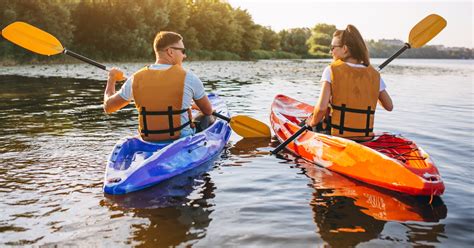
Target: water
point(55, 139)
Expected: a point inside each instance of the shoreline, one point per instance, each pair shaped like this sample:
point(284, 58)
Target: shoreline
point(70, 61)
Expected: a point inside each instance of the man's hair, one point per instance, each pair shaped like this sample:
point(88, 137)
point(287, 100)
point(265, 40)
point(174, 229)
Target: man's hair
point(164, 39)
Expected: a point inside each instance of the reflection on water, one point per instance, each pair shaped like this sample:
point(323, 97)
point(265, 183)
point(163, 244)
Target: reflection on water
point(348, 212)
point(378, 203)
point(178, 209)
point(251, 148)
point(55, 139)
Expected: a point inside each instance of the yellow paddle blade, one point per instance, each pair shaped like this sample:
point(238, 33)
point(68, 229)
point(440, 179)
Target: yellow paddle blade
point(425, 30)
point(32, 38)
point(248, 127)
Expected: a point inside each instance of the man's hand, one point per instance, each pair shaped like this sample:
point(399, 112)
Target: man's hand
point(112, 100)
point(115, 75)
point(195, 107)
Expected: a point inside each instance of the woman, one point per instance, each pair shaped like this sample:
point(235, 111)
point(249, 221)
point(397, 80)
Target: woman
point(352, 87)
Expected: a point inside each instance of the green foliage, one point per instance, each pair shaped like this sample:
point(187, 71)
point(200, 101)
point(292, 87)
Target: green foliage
point(212, 30)
point(212, 55)
point(224, 55)
point(324, 28)
point(45, 14)
point(320, 41)
point(294, 40)
point(270, 39)
point(125, 30)
point(260, 54)
point(251, 35)
point(212, 20)
point(199, 55)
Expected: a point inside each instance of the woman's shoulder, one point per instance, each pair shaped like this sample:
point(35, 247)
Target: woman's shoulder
point(356, 65)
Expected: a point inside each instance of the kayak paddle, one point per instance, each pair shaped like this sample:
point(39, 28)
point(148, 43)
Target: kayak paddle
point(41, 42)
point(420, 34)
point(245, 126)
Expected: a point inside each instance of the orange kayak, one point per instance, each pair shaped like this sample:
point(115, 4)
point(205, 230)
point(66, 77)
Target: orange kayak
point(389, 161)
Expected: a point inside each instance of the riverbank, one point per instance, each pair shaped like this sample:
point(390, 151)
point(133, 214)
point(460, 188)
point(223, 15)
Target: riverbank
point(198, 55)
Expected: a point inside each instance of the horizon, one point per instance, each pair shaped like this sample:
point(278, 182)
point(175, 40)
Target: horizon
point(301, 14)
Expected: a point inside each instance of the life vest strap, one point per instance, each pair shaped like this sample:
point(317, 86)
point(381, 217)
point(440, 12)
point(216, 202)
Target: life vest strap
point(174, 112)
point(356, 130)
point(343, 109)
point(343, 115)
point(146, 132)
point(367, 122)
point(352, 110)
point(170, 112)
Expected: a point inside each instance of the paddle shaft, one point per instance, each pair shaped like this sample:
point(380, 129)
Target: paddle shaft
point(221, 116)
point(407, 46)
point(290, 139)
point(85, 59)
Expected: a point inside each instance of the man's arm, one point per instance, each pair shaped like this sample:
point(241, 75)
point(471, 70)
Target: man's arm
point(204, 105)
point(112, 100)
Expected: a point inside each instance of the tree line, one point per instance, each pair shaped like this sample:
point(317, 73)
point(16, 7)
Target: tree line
point(212, 29)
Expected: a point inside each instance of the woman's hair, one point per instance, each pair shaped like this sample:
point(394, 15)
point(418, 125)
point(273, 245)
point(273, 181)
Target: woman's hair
point(354, 41)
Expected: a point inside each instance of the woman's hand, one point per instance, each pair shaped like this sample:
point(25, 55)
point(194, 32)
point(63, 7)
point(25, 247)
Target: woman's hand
point(310, 121)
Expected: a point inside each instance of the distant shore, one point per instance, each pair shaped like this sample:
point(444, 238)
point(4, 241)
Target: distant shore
point(193, 56)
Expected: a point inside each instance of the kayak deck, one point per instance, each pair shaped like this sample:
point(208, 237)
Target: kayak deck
point(389, 161)
point(135, 164)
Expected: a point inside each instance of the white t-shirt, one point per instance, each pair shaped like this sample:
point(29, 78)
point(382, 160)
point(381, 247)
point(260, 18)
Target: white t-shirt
point(327, 75)
point(193, 90)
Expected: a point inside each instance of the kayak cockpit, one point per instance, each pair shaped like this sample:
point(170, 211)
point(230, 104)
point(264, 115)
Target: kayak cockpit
point(132, 151)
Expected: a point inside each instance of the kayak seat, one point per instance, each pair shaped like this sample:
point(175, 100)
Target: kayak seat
point(203, 121)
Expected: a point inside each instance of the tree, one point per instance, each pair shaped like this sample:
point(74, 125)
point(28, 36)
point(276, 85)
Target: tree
point(294, 40)
point(177, 13)
point(320, 41)
point(118, 29)
point(251, 36)
point(49, 15)
point(270, 39)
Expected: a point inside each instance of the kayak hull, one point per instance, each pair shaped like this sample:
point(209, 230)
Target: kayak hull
point(389, 161)
point(135, 164)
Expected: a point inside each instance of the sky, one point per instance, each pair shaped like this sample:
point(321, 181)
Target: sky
point(380, 19)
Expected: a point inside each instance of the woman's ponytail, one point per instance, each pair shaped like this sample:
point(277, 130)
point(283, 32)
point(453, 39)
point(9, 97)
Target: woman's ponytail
point(354, 41)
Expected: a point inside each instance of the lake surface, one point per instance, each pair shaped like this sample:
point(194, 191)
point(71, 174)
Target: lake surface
point(55, 140)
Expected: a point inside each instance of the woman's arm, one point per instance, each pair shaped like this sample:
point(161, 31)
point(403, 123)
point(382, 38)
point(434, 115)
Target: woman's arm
point(321, 107)
point(385, 100)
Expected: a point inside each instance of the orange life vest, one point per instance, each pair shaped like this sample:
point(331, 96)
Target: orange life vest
point(158, 97)
point(355, 92)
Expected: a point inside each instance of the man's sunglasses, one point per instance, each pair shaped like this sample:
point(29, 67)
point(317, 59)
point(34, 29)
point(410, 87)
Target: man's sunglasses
point(183, 50)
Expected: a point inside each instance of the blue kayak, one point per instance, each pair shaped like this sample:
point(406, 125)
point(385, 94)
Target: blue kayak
point(137, 164)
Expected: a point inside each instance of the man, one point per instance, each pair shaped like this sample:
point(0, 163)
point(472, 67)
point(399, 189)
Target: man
point(163, 92)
